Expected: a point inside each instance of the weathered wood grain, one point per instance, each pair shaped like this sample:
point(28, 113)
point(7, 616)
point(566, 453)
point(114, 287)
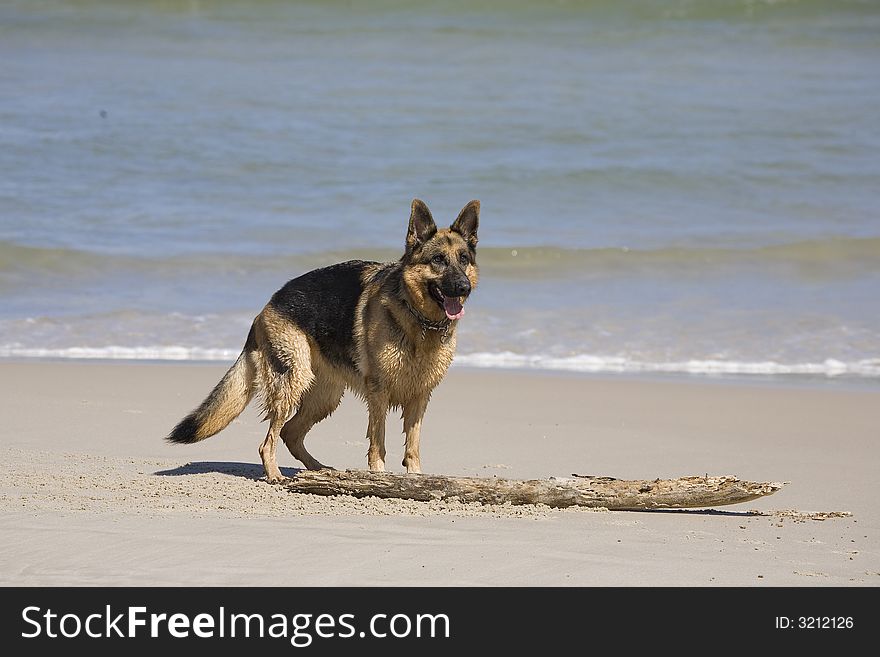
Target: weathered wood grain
point(613, 494)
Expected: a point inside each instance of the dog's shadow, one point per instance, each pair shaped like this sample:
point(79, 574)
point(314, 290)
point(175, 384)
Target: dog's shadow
point(252, 471)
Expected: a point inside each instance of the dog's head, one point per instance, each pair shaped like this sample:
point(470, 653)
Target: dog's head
point(440, 266)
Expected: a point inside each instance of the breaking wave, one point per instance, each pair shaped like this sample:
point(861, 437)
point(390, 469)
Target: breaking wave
point(830, 367)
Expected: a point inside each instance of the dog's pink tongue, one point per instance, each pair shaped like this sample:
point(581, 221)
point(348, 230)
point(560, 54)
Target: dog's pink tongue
point(453, 307)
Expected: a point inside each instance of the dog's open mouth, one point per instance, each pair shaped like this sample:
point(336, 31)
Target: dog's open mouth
point(452, 306)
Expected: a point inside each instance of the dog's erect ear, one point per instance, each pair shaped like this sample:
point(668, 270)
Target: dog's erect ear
point(467, 222)
point(421, 225)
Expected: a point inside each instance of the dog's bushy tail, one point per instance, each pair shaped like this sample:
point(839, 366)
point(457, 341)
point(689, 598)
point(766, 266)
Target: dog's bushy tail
point(225, 403)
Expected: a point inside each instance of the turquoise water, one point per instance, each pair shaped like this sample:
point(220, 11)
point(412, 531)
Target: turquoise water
point(667, 186)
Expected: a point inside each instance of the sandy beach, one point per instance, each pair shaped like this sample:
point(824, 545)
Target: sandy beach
point(92, 495)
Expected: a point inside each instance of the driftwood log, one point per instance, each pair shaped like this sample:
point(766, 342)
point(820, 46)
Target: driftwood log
point(612, 494)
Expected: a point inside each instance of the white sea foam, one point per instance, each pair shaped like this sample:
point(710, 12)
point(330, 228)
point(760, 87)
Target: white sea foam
point(598, 364)
point(121, 353)
point(830, 367)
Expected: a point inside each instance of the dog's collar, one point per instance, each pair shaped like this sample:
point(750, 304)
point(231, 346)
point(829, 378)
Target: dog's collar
point(429, 325)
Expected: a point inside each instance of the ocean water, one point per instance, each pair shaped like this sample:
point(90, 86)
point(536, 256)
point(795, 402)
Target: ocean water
point(674, 186)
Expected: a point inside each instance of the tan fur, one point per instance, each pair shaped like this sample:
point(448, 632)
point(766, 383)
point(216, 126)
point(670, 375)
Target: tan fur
point(233, 394)
point(395, 377)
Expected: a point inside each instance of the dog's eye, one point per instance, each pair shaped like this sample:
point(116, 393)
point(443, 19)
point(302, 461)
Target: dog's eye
point(464, 260)
point(438, 260)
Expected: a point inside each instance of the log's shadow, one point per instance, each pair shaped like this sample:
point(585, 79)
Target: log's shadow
point(702, 512)
point(252, 471)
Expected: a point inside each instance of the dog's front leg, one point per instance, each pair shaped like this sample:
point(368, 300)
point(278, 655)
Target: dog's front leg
point(413, 412)
point(378, 408)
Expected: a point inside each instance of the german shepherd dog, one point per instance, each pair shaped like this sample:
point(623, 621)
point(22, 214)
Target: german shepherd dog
point(384, 330)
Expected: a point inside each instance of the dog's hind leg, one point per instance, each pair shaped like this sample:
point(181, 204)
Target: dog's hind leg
point(285, 374)
point(267, 451)
point(317, 403)
point(284, 394)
